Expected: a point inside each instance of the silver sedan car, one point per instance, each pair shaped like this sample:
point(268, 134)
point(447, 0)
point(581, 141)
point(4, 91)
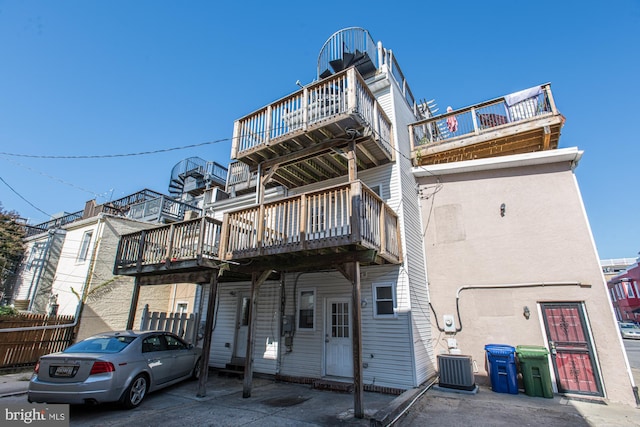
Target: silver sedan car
point(114, 367)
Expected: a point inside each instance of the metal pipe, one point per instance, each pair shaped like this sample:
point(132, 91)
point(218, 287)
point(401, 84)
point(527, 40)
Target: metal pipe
point(509, 285)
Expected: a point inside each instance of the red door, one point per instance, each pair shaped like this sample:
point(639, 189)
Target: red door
point(571, 349)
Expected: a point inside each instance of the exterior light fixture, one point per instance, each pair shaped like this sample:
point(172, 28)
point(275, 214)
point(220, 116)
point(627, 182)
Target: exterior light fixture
point(525, 312)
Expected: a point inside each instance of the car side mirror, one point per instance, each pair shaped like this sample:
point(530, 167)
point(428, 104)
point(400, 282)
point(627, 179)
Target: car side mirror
point(190, 346)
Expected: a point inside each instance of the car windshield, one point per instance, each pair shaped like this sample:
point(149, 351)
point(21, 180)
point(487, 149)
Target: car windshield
point(628, 326)
point(101, 344)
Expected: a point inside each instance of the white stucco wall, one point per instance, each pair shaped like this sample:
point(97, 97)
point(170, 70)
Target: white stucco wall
point(543, 236)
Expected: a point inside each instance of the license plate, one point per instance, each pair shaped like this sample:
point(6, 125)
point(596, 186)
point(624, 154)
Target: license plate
point(64, 371)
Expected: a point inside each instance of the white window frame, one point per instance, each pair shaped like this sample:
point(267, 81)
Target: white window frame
point(299, 308)
point(181, 304)
point(629, 287)
point(85, 245)
point(613, 294)
point(374, 294)
point(635, 285)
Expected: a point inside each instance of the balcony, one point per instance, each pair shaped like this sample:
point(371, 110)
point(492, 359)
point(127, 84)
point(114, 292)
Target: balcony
point(333, 221)
point(183, 246)
point(302, 135)
point(145, 205)
point(521, 122)
point(345, 222)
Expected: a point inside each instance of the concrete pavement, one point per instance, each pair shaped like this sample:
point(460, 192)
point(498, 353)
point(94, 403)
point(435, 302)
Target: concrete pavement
point(284, 404)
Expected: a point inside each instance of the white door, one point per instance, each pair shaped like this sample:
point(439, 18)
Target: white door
point(338, 344)
point(242, 327)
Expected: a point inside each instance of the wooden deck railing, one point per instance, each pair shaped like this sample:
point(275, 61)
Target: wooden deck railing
point(327, 218)
point(186, 240)
point(342, 93)
point(483, 117)
point(316, 220)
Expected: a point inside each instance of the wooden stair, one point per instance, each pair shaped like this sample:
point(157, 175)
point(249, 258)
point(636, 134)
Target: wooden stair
point(233, 369)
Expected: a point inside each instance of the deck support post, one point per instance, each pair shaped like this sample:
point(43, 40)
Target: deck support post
point(351, 272)
point(208, 331)
point(134, 303)
point(256, 281)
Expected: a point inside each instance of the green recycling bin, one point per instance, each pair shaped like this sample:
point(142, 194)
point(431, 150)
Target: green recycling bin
point(534, 366)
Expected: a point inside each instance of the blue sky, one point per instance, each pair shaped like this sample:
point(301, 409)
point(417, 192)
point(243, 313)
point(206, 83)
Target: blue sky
point(107, 78)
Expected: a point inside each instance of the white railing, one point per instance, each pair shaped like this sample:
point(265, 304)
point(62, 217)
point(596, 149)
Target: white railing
point(179, 241)
point(343, 93)
point(313, 220)
point(182, 324)
point(484, 117)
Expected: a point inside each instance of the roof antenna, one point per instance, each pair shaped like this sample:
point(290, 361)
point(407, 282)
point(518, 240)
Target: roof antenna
point(299, 84)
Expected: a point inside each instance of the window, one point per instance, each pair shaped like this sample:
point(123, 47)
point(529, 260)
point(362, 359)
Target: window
point(377, 188)
point(635, 285)
point(84, 246)
point(629, 290)
point(384, 300)
point(153, 343)
point(306, 308)
point(181, 307)
point(613, 294)
point(174, 343)
point(36, 255)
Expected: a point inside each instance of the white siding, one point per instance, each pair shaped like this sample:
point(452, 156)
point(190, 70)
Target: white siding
point(28, 271)
point(386, 343)
point(224, 327)
point(36, 274)
point(71, 274)
point(267, 325)
point(404, 200)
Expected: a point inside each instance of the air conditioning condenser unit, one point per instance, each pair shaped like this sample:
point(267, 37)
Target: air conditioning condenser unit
point(456, 371)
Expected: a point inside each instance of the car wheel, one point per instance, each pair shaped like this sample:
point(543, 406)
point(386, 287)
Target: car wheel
point(196, 371)
point(137, 390)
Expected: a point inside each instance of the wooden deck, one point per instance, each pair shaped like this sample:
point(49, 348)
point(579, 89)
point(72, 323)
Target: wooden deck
point(348, 222)
point(332, 221)
point(179, 247)
point(302, 135)
point(498, 127)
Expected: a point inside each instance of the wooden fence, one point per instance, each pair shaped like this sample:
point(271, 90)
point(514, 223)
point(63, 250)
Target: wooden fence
point(182, 324)
point(33, 335)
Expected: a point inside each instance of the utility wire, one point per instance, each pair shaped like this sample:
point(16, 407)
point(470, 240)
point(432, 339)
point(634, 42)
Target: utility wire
point(20, 195)
point(51, 177)
point(106, 156)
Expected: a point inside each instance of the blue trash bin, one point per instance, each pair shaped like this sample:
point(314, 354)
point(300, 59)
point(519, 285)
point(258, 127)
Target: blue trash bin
point(502, 368)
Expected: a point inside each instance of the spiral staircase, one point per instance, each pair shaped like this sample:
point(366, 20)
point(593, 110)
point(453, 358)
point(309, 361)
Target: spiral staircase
point(194, 175)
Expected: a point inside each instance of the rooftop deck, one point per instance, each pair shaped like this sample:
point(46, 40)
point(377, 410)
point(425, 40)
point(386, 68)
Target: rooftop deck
point(521, 122)
point(303, 134)
point(146, 205)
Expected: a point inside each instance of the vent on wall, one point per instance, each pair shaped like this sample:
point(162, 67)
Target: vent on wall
point(456, 371)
